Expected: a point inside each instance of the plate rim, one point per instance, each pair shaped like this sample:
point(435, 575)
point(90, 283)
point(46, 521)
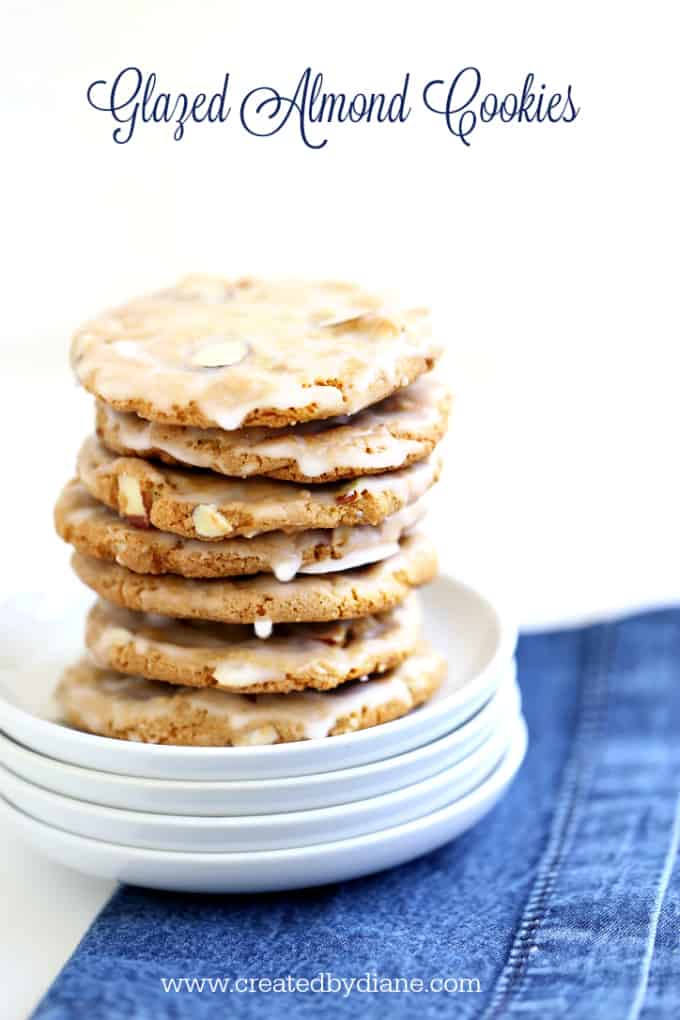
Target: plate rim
point(499, 779)
point(502, 737)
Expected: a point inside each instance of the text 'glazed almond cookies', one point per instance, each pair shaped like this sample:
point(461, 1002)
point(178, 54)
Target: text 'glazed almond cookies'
point(248, 513)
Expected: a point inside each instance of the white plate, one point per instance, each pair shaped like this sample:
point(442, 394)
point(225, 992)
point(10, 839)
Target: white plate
point(263, 796)
point(258, 832)
point(477, 641)
point(267, 871)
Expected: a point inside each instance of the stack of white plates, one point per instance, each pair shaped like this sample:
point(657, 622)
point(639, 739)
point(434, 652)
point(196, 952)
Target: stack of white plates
point(253, 819)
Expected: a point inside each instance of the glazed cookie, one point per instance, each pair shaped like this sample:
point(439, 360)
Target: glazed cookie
point(400, 430)
point(132, 708)
point(227, 354)
point(261, 599)
point(202, 505)
point(96, 531)
point(297, 655)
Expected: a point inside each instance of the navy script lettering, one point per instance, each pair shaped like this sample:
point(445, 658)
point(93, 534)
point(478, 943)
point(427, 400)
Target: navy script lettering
point(264, 111)
point(132, 96)
point(464, 104)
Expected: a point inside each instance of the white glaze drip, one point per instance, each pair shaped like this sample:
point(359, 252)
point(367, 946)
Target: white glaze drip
point(263, 628)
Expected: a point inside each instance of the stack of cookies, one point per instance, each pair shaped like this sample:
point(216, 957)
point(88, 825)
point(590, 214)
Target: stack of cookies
point(247, 513)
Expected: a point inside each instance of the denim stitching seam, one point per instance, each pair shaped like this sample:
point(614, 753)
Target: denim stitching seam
point(576, 780)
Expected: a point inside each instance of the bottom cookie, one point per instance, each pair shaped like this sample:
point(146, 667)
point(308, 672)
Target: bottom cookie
point(132, 708)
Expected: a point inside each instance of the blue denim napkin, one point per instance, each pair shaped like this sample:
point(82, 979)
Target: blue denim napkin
point(565, 901)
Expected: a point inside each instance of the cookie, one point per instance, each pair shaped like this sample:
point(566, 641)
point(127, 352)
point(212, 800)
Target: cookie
point(262, 599)
point(400, 430)
point(132, 708)
point(228, 354)
point(296, 656)
point(96, 531)
point(202, 505)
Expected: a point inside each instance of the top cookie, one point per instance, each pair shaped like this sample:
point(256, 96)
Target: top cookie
point(216, 353)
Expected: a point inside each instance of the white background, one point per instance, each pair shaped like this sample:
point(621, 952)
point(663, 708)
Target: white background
point(549, 253)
